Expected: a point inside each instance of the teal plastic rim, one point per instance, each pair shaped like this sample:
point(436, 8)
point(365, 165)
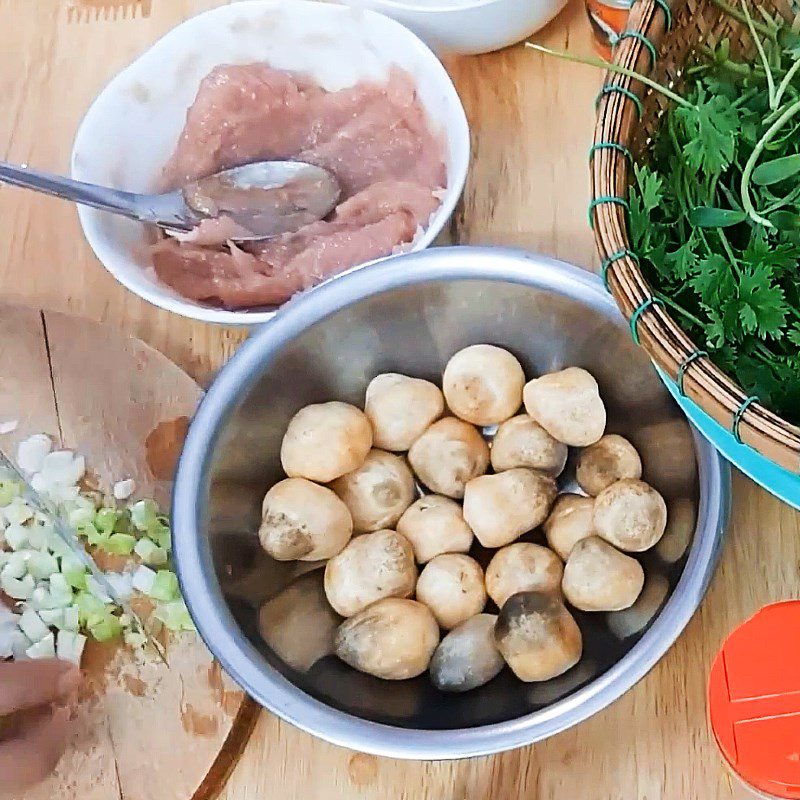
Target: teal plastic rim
point(637, 313)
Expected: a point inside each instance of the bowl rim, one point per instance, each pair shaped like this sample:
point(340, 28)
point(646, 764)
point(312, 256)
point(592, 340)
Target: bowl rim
point(248, 667)
point(162, 297)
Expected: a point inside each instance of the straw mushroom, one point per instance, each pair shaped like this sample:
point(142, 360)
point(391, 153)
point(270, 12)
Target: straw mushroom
point(400, 409)
point(567, 405)
point(597, 577)
point(631, 515)
point(325, 441)
point(605, 462)
point(301, 520)
point(378, 492)
point(569, 522)
point(450, 453)
point(467, 657)
point(392, 639)
point(452, 587)
point(523, 442)
point(371, 567)
point(500, 508)
point(435, 525)
point(537, 636)
point(523, 567)
point(483, 384)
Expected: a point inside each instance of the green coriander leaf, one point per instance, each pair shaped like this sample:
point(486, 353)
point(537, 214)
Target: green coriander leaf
point(650, 186)
point(711, 127)
point(714, 281)
point(682, 262)
point(794, 334)
point(762, 308)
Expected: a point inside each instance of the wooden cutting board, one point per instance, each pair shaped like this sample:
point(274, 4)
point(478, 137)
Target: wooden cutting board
point(141, 731)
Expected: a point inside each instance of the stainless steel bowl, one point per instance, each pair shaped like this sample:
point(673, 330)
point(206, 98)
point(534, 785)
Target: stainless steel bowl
point(409, 314)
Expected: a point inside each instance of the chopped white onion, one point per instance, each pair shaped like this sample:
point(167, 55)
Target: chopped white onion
point(70, 646)
point(9, 633)
point(19, 645)
point(63, 468)
point(95, 587)
point(143, 579)
point(121, 582)
point(60, 591)
point(31, 624)
point(16, 537)
point(124, 489)
point(42, 565)
point(32, 451)
point(17, 512)
point(45, 648)
point(54, 617)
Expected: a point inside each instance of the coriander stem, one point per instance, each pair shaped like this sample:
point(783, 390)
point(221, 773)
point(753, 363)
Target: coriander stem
point(611, 67)
point(762, 55)
point(736, 14)
point(726, 245)
point(747, 203)
point(784, 85)
point(680, 309)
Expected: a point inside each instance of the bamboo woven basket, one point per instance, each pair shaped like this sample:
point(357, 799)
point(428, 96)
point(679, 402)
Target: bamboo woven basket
point(674, 34)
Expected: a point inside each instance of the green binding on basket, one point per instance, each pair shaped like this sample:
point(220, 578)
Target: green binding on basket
point(623, 90)
point(637, 313)
point(737, 417)
point(607, 262)
point(685, 365)
point(620, 201)
point(664, 6)
point(620, 148)
point(643, 39)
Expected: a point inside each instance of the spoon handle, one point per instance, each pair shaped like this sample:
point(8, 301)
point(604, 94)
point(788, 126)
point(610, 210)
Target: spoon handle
point(156, 209)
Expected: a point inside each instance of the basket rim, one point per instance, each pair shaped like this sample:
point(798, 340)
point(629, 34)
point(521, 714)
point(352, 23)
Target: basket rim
point(620, 103)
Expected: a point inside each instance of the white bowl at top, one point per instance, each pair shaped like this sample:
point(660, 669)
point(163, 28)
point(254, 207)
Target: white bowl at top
point(132, 127)
point(467, 27)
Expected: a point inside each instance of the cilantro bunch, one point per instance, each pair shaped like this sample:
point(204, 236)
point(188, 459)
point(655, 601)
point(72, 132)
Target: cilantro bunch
point(715, 208)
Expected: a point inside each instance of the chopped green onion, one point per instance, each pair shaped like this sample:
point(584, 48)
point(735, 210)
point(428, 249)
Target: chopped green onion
point(106, 628)
point(105, 520)
point(165, 586)
point(143, 514)
point(174, 615)
point(120, 544)
point(150, 552)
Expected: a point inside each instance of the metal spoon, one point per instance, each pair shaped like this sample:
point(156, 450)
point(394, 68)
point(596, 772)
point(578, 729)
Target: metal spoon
point(262, 200)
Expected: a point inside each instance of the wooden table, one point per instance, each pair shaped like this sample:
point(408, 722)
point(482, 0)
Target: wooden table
point(531, 123)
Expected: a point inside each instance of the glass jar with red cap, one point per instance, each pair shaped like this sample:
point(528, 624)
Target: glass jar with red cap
point(754, 704)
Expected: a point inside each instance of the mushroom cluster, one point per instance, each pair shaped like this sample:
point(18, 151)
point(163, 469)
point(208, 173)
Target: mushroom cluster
point(394, 499)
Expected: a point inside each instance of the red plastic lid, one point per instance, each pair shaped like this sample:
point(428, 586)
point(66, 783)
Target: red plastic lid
point(754, 700)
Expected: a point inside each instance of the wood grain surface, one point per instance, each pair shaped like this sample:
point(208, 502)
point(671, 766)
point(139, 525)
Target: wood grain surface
point(531, 127)
point(141, 731)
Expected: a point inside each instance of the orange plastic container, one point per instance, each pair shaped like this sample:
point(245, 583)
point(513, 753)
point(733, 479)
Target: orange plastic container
point(608, 19)
point(754, 703)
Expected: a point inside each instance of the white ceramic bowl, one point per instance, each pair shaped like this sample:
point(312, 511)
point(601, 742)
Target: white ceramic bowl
point(467, 27)
point(132, 127)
